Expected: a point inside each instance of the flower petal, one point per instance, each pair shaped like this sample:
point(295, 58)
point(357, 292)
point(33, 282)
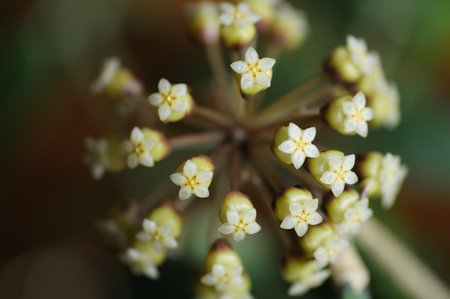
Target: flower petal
point(204, 177)
point(226, 229)
point(348, 162)
point(251, 56)
point(362, 128)
point(360, 100)
point(337, 187)
point(238, 236)
point(348, 108)
point(350, 178)
point(298, 158)
point(295, 208)
point(133, 161)
point(233, 217)
point(164, 112)
point(247, 81)
point(315, 219)
point(288, 222)
point(294, 131)
point(249, 216)
point(312, 204)
point(297, 289)
point(350, 125)
point(253, 228)
point(155, 99)
point(146, 160)
point(309, 134)
point(164, 86)
point(189, 169)
point(301, 229)
point(136, 135)
point(185, 193)
point(328, 177)
point(179, 90)
point(287, 147)
point(367, 114)
point(178, 178)
point(263, 79)
point(266, 63)
point(180, 105)
point(201, 191)
point(239, 67)
point(312, 151)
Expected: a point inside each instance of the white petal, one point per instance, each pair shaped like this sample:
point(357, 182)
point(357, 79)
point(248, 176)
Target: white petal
point(233, 217)
point(247, 81)
point(170, 243)
point(298, 158)
point(367, 114)
point(294, 131)
point(189, 169)
point(149, 226)
point(178, 178)
point(350, 125)
point(295, 208)
point(360, 100)
point(263, 79)
point(312, 151)
point(227, 7)
point(208, 279)
point(226, 19)
point(288, 222)
point(301, 229)
point(201, 191)
point(149, 144)
point(133, 161)
point(328, 177)
point(155, 99)
point(309, 134)
point(143, 237)
point(226, 229)
point(238, 236)
point(179, 90)
point(249, 216)
point(164, 86)
point(338, 187)
point(151, 272)
point(239, 67)
point(97, 171)
point(251, 56)
point(348, 108)
point(164, 112)
point(297, 289)
point(350, 178)
point(362, 128)
point(314, 219)
point(312, 205)
point(253, 228)
point(185, 193)
point(136, 135)
point(287, 147)
point(180, 105)
point(218, 270)
point(266, 63)
point(204, 177)
point(349, 162)
point(335, 162)
point(146, 160)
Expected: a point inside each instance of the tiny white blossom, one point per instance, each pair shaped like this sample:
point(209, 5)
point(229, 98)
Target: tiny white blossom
point(340, 174)
point(254, 71)
point(140, 263)
point(361, 57)
point(97, 156)
point(299, 145)
point(240, 223)
point(139, 148)
point(169, 99)
point(355, 217)
point(316, 279)
point(192, 181)
point(160, 237)
point(330, 252)
point(237, 15)
point(110, 69)
point(301, 215)
point(357, 115)
point(392, 175)
point(223, 277)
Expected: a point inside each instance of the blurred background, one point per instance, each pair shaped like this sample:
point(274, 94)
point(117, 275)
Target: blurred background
point(51, 51)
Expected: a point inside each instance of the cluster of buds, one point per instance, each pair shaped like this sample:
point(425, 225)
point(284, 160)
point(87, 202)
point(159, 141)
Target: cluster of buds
point(250, 147)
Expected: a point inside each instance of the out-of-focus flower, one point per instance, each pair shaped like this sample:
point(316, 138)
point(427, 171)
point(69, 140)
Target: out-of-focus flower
point(290, 27)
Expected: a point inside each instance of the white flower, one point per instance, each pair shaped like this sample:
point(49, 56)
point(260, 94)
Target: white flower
point(239, 15)
point(110, 69)
point(302, 215)
point(170, 99)
point(160, 237)
point(299, 145)
point(316, 279)
point(361, 57)
point(340, 173)
point(392, 175)
point(240, 223)
point(357, 115)
point(139, 148)
point(354, 217)
point(97, 156)
point(192, 181)
point(254, 71)
point(140, 262)
point(330, 252)
point(222, 277)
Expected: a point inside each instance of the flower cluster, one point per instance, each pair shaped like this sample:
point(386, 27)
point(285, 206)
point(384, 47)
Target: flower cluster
point(251, 148)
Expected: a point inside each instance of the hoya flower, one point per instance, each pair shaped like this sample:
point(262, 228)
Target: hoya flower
point(329, 252)
point(254, 74)
point(139, 149)
point(223, 277)
point(386, 105)
point(97, 156)
point(159, 236)
point(360, 55)
point(297, 144)
point(240, 223)
point(303, 274)
point(174, 102)
point(314, 280)
point(301, 215)
point(357, 115)
point(195, 178)
point(339, 173)
point(204, 21)
point(392, 175)
point(354, 217)
point(110, 68)
point(141, 262)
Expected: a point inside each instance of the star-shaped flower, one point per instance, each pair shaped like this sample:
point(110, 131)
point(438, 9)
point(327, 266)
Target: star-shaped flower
point(392, 175)
point(192, 181)
point(330, 251)
point(170, 100)
point(354, 217)
point(299, 145)
point(139, 148)
point(314, 280)
point(339, 173)
point(301, 215)
point(223, 277)
point(240, 223)
point(254, 71)
point(357, 115)
point(97, 156)
point(361, 57)
point(109, 70)
point(237, 15)
point(140, 262)
point(160, 237)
